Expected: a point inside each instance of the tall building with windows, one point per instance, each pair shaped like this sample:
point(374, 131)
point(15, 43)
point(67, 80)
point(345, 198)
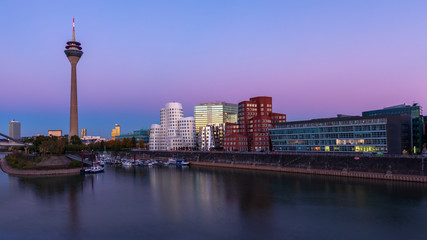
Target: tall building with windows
point(54, 133)
point(214, 113)
point(416, 126)
point(157, 138)
point(255, 117)
point(83, 132)
point(115, 132)
point(15, 129)
point(174, 132)
point(233, 140)
point(211, 137)
point(187, 131)
point(385, 133)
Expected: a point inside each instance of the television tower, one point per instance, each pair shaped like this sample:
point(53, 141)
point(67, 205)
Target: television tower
point(73, 52)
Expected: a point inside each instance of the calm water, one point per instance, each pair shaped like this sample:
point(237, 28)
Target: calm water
point(206, 203)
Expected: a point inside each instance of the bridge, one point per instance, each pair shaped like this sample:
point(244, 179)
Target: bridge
point(12, 142)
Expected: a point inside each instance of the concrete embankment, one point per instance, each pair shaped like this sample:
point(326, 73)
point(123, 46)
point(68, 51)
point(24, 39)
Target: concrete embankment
point(33, 173)
point(344, 173)
point(398, 168)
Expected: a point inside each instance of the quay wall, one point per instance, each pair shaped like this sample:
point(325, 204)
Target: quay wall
point(36, 173)
point(329, 164)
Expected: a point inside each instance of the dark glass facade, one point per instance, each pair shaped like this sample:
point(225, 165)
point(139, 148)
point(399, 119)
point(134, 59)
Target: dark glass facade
point(142, 134)
point(417, 123)
point(344, 134)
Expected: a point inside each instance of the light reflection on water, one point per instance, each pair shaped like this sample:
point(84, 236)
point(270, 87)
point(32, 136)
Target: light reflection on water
point(209, 203)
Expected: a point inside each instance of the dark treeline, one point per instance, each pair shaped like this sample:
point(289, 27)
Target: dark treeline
point(60, 145)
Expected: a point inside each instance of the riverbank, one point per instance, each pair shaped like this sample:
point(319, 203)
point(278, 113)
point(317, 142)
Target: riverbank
point(33, 173)
point(409, 168)
point(344, 173)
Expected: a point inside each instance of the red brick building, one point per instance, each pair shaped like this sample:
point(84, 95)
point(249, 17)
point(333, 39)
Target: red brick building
point(233, 140)
point(255, 117)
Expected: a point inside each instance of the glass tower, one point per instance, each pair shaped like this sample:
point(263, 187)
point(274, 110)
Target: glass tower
point(214, 113)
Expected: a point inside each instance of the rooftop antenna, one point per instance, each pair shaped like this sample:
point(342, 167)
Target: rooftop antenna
point(74, 32)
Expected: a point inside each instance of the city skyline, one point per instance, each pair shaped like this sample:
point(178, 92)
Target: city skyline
point(314, 59)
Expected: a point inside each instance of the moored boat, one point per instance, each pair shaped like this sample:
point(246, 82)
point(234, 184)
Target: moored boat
point(182, 163)
point(93, 169)
point(171, 161)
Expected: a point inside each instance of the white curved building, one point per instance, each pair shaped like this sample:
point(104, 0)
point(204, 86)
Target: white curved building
point(174, 132)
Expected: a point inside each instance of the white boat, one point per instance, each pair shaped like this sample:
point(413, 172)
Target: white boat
point(171, 161)
point(96, 169)
point(93, 169)
point(182, 163)
point(148, 163)
point(127, 163)
point(101, 162)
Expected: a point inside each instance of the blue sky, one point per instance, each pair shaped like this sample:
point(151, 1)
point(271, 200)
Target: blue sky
point(315, 58)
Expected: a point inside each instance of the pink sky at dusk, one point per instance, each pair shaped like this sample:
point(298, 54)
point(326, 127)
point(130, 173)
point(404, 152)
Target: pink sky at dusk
point(315, 58)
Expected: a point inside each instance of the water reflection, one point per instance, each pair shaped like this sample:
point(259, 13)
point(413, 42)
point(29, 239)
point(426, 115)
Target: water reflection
point(135, 203)
point(58, 190)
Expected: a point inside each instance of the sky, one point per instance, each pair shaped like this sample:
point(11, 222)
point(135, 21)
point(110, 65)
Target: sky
point(314, 58)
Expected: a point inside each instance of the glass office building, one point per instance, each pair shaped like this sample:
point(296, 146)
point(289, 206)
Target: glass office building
point(344, 134)
point(142, 134)
point(416, 126)
point(214, 113)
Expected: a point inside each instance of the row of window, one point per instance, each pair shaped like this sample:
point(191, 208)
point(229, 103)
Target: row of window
point(235, 143)
point(329, 136)
point(359, 128)
point(335, 123)
point(379, 141)
point(331, 148)
point(235, 139)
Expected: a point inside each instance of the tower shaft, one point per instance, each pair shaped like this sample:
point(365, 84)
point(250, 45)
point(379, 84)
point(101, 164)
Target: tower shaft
point(74, 122)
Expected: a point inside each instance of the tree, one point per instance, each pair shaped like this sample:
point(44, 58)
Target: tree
point(133, 142)
point(140, 144)
point(75, 140)
point(39, 140)
point(53, 145)
point(102, 145)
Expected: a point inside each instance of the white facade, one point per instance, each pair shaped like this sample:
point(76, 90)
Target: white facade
point(15, 129)
point(174, 132)
point(187, 130)
point(211, 136)
point(157, 137)
point(205, 138)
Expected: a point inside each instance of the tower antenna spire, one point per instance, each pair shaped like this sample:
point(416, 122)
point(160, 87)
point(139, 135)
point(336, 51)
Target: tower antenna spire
point(74, 32)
